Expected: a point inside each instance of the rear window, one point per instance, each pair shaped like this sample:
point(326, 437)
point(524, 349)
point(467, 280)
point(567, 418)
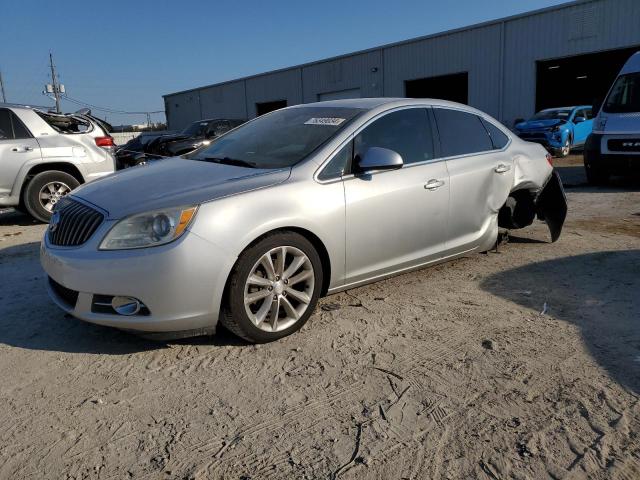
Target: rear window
point(461, 133)
point(68, 124)
point(498, 138)
point(11, 127)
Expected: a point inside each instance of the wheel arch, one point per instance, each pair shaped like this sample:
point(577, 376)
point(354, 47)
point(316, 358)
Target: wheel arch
point(34, 170)
point(317, 243)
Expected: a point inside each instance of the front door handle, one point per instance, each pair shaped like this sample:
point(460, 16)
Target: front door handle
point(502, 168)
point(433, 184)
point(21, 149)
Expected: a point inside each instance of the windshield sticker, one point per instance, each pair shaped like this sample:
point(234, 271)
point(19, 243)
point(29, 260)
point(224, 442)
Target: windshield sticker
point(331, 121)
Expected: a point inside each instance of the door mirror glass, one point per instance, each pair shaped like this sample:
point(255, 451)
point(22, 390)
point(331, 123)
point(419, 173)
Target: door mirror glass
point(579, 120)
point(378, 158)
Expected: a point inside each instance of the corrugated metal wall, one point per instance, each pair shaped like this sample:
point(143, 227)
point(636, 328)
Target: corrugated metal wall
point(360, 71)
point(500, 58)
point(284, 85)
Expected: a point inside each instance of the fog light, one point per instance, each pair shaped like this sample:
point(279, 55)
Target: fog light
point(126, 305)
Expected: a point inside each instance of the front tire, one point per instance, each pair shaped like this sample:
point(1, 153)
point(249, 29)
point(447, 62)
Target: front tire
point(273, 288)
point(596, 175)
point(565, 150)
point(44, 191)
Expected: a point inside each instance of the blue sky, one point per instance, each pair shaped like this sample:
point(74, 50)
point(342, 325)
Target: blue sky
point(126, 54)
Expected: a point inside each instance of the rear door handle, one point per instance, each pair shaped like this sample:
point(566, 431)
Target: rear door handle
point(433, 184)
point(21, 149)
point(502, 168)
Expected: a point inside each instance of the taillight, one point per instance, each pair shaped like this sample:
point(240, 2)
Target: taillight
point(550, 159)
point(105, 142)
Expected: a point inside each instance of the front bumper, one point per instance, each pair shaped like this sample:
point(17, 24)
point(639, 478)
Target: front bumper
point(181, 283)
point(549, 140)
point(598, 155)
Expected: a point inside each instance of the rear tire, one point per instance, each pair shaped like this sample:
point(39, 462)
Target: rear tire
point(597, 175)
point(286, 293)
point(44, 190)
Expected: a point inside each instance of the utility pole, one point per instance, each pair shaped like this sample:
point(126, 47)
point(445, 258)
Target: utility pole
point(54, 82)
point(4, 97)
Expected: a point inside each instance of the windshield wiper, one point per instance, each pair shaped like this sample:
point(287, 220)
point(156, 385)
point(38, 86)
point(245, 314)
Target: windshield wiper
point(230, 161)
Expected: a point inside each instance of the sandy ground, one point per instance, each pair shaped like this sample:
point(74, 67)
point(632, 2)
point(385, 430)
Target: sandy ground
point(519, 364)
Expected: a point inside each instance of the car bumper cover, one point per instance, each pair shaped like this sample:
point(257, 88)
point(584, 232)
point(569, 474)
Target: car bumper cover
point(179, 284)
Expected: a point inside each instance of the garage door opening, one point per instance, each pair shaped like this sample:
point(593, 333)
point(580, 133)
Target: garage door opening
point(453, 87)
point(578, 80)
point(266, 107)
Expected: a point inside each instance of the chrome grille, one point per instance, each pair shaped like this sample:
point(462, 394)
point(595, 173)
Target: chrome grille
point(73, 223)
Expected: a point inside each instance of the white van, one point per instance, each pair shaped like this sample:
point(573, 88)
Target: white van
point(614, 145)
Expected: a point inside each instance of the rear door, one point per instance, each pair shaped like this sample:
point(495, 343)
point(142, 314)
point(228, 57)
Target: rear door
point(17, 147)
point(396, 219)
point(480, 172)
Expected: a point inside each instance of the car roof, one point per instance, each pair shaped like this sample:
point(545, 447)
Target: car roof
point(19, 106)
point(566, 108)
point(632, 65)
point(372, 103)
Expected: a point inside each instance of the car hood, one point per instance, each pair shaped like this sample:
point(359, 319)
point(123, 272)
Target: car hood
point(539, 124)
point(173, 182)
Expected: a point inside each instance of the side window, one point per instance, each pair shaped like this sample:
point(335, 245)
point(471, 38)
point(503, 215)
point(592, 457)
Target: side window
point(19, 130)
point(588, 113)
point(407, 132)
point(461, 133)
point(215, 129)
point(5, 125)
point(498, 138)
point(338, 165)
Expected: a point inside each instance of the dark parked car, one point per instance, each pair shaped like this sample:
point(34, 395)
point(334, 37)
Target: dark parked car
point(133, 153)
point(195, 135)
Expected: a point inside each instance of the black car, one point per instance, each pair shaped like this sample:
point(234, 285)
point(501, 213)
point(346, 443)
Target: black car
point(192, 137)
point(133, 152)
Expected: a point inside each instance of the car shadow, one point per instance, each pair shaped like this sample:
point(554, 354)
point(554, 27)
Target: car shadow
point(11, 217)
point(597, 292)
point(574, 179)
point(30, 320)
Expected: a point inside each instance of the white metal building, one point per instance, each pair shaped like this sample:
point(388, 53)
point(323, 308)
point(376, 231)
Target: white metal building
point(510, 68)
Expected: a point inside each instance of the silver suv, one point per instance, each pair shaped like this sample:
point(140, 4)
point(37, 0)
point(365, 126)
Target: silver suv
point(43, 156)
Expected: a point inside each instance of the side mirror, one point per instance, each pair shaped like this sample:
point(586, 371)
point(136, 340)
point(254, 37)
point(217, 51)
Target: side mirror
point(378, 158)
point(579, 120)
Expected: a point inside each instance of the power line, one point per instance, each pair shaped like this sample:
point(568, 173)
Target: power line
point(107, 110)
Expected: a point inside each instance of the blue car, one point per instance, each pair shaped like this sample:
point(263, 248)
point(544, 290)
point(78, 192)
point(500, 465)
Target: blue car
point(558, 129)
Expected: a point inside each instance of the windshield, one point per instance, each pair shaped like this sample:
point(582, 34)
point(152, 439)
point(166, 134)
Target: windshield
point(625, 95)
point(556, 114)
point(196, 129)
point(279, 139)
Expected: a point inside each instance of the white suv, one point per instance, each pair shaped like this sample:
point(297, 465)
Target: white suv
point(43, 156)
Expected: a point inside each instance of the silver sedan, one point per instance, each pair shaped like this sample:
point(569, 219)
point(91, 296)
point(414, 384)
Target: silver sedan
point(252, 229)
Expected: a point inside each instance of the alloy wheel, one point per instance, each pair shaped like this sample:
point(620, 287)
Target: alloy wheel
point(279, 288)
point(51, 193)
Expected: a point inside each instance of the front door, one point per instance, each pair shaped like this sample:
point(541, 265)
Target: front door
point(17, 147)
point(396, 219)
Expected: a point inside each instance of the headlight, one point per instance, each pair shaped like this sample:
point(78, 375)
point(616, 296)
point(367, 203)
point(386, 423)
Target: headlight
point(149, 229)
